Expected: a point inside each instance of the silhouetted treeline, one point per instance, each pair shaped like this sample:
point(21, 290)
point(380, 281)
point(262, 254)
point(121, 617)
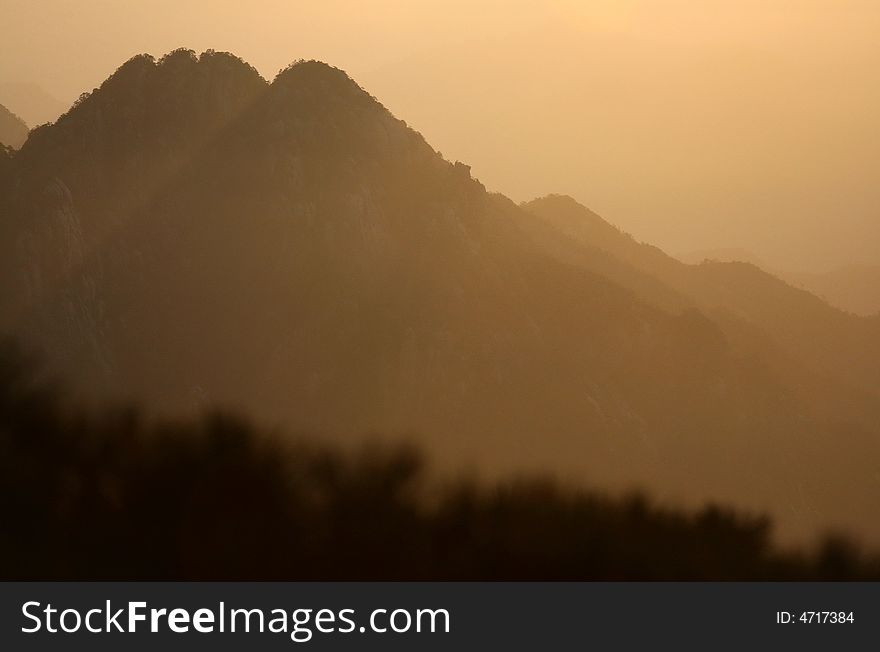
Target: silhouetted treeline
point(111, 496)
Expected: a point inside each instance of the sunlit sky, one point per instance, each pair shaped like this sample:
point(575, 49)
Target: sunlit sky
point(693, 125)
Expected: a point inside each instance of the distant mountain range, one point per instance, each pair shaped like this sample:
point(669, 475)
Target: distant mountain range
point(13, 130)
point(853, 288)
point(191, 234)
point(34, 104)
point(727, 255)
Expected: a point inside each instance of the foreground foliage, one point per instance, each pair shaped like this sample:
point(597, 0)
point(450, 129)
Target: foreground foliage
point(111, 496)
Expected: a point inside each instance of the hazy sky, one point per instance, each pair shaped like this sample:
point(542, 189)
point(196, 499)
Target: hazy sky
point(692, 124)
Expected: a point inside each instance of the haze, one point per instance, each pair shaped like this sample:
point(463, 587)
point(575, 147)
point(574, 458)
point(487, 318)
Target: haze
point(691, 125)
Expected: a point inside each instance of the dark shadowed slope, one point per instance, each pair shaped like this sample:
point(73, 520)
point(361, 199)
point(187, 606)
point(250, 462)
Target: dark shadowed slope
point(190, 233)
point(13, 130)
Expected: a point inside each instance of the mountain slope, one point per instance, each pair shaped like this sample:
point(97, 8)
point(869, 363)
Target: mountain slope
point(830, 341)
point(13, 130)
point(852, 288)
point(855, 288)
point(192, 234)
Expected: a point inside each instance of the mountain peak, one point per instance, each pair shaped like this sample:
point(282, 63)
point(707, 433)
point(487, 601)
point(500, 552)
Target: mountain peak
point(149, 102)
point(558, 202)
point(571, 216)
point(313, 69)
point(184, 63)
point(310, 79)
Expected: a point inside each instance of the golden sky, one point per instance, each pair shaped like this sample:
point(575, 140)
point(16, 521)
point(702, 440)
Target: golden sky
point(693, 125)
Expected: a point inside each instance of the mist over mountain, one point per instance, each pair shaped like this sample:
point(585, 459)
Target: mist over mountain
point(34, 104)
point(735, 293)
point(13, 130)
point(190, 234)
point(853, 288)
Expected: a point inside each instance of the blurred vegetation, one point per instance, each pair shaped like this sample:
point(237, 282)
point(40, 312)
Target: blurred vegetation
point(109, 495)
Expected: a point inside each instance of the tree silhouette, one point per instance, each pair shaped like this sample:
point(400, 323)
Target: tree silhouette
point(110, 494)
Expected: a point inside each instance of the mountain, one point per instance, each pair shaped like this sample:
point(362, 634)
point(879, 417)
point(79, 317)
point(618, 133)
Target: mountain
point(830, 341)
point(13, 130)
point(190, 233)
point(726, 255)
point(852, 288)
point(33, 103)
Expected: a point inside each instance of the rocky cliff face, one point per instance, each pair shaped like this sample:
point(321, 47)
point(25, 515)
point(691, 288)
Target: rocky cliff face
point(57, 287)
